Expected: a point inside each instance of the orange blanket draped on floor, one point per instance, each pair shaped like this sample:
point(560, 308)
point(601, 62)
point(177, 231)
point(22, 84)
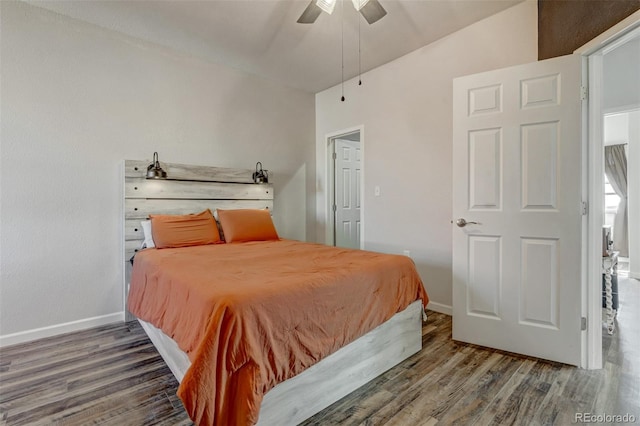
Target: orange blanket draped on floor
point(251, 315)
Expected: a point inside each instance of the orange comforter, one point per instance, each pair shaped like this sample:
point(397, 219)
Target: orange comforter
point(251, 315)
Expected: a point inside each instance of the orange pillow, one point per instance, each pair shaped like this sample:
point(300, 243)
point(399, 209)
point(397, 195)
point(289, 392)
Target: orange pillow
point(184, 230)
point(247, 225)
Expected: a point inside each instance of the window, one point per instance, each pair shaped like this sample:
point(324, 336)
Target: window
point(611, 199)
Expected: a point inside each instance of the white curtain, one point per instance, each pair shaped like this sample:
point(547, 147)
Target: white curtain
point(615, 167)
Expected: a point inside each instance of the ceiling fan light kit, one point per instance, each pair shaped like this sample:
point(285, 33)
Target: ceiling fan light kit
point(359, 4)
point(326, 5)
point(372, 10)
point(329, 5)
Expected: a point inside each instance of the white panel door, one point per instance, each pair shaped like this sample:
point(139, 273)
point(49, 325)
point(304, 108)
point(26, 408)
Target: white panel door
point(347, 193)
point(517, 172)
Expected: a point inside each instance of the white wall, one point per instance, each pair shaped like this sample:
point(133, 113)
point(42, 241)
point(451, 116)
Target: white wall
point(621, 68)
point(77, 99)
point(406, 109)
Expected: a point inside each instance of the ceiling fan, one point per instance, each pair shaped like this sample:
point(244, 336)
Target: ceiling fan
point(372, 10)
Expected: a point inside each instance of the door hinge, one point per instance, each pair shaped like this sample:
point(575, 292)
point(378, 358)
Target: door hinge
point(584, 93)
point(583, 323)
point(585, 208)
point(335, 208)
point(334, 155)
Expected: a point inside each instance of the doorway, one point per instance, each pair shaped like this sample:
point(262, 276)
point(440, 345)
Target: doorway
point(613, 65)
point(621, 155)
point(345, 160)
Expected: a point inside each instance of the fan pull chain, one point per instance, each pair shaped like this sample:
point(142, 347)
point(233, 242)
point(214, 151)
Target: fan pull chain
point(359, 55)
point(342, 13)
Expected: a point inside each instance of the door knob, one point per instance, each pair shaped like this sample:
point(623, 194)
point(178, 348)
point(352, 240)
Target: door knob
point(462, 223)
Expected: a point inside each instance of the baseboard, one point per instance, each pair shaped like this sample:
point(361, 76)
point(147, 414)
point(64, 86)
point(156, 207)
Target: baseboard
point(635, 275)
point(54, 330)
point(441, 308)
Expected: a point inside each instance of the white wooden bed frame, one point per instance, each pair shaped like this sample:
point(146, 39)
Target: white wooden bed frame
point(190, 189)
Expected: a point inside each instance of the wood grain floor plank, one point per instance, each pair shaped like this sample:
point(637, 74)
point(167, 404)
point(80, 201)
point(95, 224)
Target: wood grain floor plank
point(473, 403)
point(73, 360)
point(50, 406)
point(23, 386)
point(112, 375)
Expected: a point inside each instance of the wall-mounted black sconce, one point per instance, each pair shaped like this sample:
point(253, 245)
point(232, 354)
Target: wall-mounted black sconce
point(260, 176)
point(154, 171)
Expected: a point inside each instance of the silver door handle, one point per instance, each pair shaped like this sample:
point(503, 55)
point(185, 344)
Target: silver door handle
point(462, 223)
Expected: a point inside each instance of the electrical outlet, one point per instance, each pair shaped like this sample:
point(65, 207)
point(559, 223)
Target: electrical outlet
point(376, 191)
point(407, 253)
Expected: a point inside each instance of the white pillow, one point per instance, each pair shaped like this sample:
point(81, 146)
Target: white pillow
point(148, 237)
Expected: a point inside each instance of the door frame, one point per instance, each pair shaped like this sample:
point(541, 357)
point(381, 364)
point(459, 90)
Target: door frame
point(330, 182)
point(593, 181)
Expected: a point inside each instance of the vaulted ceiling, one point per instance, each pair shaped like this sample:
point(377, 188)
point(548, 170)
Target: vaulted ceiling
point(263, 38)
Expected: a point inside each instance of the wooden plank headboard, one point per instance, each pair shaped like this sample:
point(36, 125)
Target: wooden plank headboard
point(187, 189)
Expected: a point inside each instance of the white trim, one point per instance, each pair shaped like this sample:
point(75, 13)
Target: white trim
point(329, 142)
point(621, 109)
point(330, 185)
point(634, 275)
point(595, 220)
point(54, 330)
point(440, 308)
point(585, 272)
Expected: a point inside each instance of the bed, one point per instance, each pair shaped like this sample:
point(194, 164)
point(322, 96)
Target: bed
point(288, 382)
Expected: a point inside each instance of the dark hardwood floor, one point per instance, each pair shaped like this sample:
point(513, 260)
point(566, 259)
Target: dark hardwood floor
point(113, 375)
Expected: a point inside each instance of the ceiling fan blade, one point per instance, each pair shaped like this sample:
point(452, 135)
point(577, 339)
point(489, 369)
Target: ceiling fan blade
point(373, 11)
point(310, 14)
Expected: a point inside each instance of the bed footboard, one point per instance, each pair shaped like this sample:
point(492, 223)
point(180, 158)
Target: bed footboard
point(339, 374)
